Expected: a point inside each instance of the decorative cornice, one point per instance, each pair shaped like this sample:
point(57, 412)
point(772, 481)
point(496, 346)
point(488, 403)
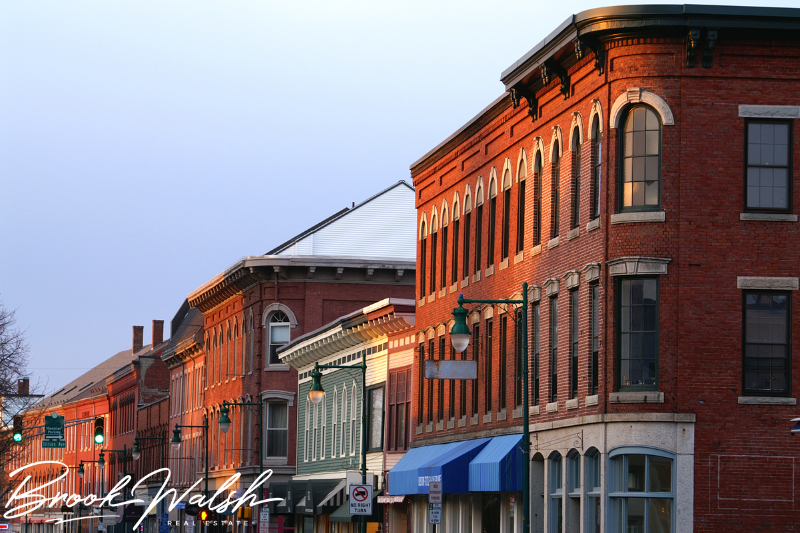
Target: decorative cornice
point(592, 272)
point(551, 286)
point(572, 279)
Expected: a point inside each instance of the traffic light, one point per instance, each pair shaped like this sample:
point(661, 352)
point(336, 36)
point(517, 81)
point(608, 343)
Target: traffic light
point(191, 509)
point(17, 428)
point(99, 428)
point(206, 515)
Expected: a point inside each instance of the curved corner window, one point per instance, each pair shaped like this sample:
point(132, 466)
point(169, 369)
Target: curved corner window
point(641, 160)
point(638, 334)
point(641, 490)
point(279, 327)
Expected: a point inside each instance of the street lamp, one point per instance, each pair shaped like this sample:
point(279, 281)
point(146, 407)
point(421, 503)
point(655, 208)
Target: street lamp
point(224, 419)
point(135, 453)
point(176, 437)
point(316, 393)
point(80, 470)
point(459, 338)
point(101, 461)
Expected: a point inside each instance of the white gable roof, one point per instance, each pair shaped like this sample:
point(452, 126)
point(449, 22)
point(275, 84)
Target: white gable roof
point(383, 226)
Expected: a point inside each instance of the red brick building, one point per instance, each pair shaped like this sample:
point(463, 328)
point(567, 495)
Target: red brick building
point(637, 174)
point(346, 262)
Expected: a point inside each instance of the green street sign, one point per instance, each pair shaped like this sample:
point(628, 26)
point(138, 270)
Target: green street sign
point(54, 428)
point(54, 444)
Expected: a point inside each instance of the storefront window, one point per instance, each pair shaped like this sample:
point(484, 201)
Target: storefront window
point(641, 490)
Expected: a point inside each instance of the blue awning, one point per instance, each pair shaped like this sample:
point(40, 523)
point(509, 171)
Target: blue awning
point(448, 463)
point(498, 467)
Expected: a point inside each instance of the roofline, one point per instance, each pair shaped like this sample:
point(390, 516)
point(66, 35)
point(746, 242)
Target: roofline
point(330, 220)
point(617, 19)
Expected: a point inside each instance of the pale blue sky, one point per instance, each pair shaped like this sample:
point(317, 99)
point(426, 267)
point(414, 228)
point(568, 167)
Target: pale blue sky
point(146, 146)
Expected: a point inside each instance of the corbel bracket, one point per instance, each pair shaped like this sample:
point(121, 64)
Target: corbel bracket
point(708, 49)
point(521, 91)
point(553, 68)
point(692, 44)
point(590, 43)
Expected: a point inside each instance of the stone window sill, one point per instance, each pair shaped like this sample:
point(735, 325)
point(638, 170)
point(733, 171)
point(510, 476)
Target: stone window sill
point(453, 287)
point(451, 423)
point(636, 397)
point(419, 430)
point(766, 400)
point(429, 427)
point(534, 410)
point(502, 415)
point(442, 292)
point(462, 422)
point(592, 400)
point(572, 404)
point(476, 277)
point(517, 413)
point(440, 425)
point(552, 243)
point(277, 368)
point(768, 217)
point(503, 264)
point(552, 407)
point(473, 421)
point(639, 216)
point(432, 298)
point(573, 233)
point(465, 282)
point(536, 250)
point(593, 224)
point(489, 271)
point(519, 257)
point(421, 302)
point(487, 418)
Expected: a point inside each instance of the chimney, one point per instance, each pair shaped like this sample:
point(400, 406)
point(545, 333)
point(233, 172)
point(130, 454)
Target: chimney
point(158, 332)
point(138, 338)
point(23, 387)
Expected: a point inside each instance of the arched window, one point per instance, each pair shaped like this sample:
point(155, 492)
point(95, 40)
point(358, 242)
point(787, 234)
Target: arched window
point(210, 355)
point(641, 156)
point(521, 175)
point(444, 249)
point(251, 339)
point(478, 228)
point(227, 354)
point(467, 234)
point(537, 199)
point(434, 251)
point(315, 444)
point(555, 194)
point(506, 214)
point(492, 222)
point(641, 489)
point(335, 421)
point(324, 424)
point(455, 236)
point(423, 262)
point(557, 492)
point(593, 489)
point(576, 178)
point(597, 158)
point(279, 332)
point(220, 342)
point(235, 340)
point(344, 421)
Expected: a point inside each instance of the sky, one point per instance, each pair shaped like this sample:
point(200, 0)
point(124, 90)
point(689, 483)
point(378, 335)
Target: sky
point(147, 146)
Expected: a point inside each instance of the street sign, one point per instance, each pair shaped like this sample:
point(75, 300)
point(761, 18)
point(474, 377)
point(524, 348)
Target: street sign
point(54, 443)
point(54, 427)
point(263, 520)
point(361, 499)
point(435, 492)
point(164, 526)
point(189, 526)
point(445, 369)
point(434, 513)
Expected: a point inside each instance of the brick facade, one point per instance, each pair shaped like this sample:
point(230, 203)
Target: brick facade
point(698, 408)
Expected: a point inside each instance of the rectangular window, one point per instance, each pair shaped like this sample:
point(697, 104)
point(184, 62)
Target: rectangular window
point(767, 349)
point(573, 341)
point(555, 193)
point(506, 222)
point(399, 408)
point(476, 344)
point(553, 349)
point(576, 187)
point(277, 427)
point(462, 404)
point(597, 159)
point(478, 237)
point(492, 231)
point(451, 385)
point(431, 353)
point(454, 262)
point(536, 336)
point(503, 359)
point(440, 382)
point(423, 262)
point(375, 418)
point(434, 249)
point(594, 361)
point(769, 166)
point(488, 381)
point(467, 237)
point(421, 390)
point(518, 363)
point(521, 217)
point(443, 266)
point(638, 337)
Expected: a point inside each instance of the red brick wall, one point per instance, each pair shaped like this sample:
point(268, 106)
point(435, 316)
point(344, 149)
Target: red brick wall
point(700, 309)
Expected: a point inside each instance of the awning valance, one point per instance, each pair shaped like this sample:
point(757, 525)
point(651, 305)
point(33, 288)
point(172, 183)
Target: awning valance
point(498, 467)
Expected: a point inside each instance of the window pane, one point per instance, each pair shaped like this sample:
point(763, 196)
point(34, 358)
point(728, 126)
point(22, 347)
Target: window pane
point(635, 522)
point(376, 417)
point(659, 474)
point(277, 415)
point(652, 120)
point(636, 464)
point(280, 334)
point(659, 515)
